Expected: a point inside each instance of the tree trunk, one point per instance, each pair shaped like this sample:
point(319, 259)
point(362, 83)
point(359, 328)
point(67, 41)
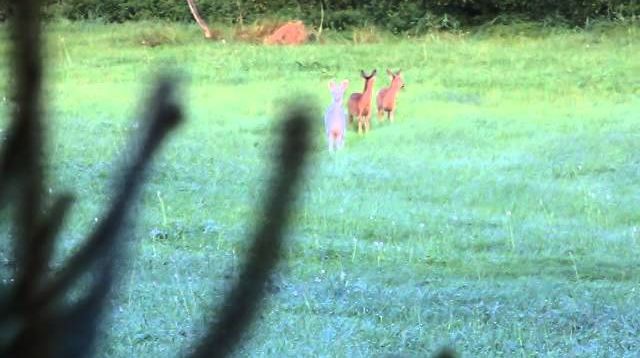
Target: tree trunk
point(203, 25)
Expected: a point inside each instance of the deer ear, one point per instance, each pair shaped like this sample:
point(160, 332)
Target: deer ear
point(398, 73)
point(332, 84)
point(345, 84)
point(389, 72)
point(363, 74)
point(374, 72)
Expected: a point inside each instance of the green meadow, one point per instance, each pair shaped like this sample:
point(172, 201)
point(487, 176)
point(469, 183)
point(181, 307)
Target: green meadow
point(498, 215)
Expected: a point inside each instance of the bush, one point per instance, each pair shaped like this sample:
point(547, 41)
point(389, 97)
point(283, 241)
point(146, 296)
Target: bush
point(119, 11)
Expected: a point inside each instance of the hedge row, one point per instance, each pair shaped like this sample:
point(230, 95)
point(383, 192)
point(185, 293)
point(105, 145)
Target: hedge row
point(394, 15)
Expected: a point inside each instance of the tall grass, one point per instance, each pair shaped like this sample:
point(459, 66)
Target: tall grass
point(499, 214)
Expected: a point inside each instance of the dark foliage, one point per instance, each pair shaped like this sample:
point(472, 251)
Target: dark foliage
point(394, 15)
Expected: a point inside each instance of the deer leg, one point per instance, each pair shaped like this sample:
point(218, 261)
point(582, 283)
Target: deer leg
point(391, 115)
point(367, 123)
point(380, 114)
point(360, 125)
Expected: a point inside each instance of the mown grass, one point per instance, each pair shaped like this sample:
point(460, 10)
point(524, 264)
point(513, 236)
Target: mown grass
point(500, 213)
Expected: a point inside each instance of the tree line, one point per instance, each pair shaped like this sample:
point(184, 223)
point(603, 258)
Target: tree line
point(393, 15)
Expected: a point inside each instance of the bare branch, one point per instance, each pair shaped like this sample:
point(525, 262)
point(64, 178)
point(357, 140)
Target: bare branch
point(196, 15)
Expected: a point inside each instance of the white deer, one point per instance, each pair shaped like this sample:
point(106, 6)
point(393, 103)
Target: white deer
point(335, 122)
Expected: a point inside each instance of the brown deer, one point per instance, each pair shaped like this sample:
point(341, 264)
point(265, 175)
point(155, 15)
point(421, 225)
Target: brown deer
point(386, 99)
point(360, 103)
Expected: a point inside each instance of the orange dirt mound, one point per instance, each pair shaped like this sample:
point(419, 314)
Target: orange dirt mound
point(291, 33)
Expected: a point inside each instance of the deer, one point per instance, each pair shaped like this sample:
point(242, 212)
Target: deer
point(386, 100)
point(360, 103)
point(334, 117)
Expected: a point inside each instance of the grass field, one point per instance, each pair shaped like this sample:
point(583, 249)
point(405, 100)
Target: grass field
point(499, 214)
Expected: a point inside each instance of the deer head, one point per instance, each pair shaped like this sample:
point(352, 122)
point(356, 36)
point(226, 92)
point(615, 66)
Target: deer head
point(368, 79)
point(337, 91)
point(396, 79)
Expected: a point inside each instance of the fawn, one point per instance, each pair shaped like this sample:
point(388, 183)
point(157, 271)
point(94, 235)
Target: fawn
point(386, 99)
point(360, 103)
point(334, 118)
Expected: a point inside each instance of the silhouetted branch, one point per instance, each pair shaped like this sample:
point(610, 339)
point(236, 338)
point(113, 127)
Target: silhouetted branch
point(35, 319)
point(22, 159)
point(240, 305)
point(78, 324)
point(21, 172)
point(45, 237)
point(163, 116)
point(23, 146)
point(446, 353)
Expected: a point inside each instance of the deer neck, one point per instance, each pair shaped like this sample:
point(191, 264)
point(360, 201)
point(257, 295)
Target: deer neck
point(395, 85)
point(368, 88)
point(394, 88)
